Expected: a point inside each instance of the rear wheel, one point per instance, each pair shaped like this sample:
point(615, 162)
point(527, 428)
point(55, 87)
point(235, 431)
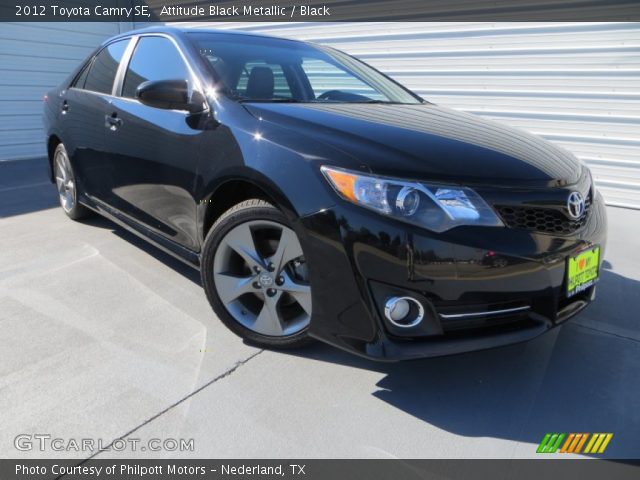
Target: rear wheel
point(66, 185)
point(255, 275)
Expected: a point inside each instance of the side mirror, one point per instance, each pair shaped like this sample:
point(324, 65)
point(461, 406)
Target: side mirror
point(170, 95)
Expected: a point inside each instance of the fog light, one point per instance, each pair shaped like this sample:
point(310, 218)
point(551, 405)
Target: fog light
point(397, 308)
point(404, 312)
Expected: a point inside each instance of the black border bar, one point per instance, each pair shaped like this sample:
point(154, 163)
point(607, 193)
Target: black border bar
point(143, 11)
point(565, 469)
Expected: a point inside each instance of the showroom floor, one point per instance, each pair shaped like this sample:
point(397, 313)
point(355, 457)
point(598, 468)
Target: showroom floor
point(103, 336)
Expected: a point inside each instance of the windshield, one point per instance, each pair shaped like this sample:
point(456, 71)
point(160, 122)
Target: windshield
point(263, 69)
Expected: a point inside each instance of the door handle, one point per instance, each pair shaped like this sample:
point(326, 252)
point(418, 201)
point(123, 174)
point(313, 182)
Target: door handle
point(113, 122)
point(64, 107)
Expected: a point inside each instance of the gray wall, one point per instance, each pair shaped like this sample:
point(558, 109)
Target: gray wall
point(35, 57)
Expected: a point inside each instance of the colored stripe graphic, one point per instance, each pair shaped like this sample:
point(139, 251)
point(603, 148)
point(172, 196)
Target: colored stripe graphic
point(543, 443)
point(584, 439)
point(598, 442)
point(567, 444)
point(574, 443)
point(550, 443)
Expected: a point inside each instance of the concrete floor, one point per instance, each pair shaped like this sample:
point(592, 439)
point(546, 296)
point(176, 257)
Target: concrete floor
point(103, 336)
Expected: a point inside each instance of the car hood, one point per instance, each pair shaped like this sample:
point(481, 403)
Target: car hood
point(428, 142)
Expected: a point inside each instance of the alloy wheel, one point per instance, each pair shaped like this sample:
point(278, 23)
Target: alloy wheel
point(261, 277)
point(65, 181)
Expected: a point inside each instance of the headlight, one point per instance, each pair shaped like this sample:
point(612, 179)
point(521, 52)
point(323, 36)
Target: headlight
point(436, 207)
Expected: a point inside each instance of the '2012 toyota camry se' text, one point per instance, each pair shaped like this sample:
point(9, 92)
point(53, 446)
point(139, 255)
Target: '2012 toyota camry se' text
point(321, 199)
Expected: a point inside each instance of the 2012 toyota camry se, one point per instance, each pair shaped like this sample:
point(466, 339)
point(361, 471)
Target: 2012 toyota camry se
point(321, 199)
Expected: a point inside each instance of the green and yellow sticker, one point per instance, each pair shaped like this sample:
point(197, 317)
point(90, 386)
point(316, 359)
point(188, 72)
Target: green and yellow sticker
point(582, 270)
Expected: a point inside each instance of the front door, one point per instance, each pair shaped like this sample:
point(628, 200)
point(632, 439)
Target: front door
point(152, 152)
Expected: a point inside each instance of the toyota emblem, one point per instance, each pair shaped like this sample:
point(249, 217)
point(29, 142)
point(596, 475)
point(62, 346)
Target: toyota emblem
point(575, 205)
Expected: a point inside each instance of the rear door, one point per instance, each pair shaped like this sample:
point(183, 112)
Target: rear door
point(154, 152)
point(82, 118)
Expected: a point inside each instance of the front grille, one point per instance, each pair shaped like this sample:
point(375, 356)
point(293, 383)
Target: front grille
point(540, 219)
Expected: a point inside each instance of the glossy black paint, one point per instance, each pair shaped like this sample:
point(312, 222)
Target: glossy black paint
point(160, 172)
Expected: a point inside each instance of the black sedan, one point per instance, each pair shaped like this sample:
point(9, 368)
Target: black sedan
point(321, 199)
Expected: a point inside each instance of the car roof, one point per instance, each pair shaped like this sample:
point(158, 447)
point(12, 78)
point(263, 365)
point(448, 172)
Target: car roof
point(180, 29)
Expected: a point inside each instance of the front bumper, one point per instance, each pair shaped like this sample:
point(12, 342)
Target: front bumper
point(358, 258)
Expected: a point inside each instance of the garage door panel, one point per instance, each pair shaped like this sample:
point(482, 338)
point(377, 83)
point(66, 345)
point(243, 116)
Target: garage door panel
point(20, 122)
point(34, 58)
point(60, 33)
point(24, 91)
point(44, 80)
point(23, 66)
point(20, 151)
point(43, 49)
point(510, 82)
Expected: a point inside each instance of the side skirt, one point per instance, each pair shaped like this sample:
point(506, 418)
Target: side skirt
point(187, 256)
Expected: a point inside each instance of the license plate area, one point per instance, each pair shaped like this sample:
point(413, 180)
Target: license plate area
point(583, 270)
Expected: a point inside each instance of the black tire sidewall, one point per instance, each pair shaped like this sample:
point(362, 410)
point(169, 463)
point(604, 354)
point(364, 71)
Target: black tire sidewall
point(237, 215)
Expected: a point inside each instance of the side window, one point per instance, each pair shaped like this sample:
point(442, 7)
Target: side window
point(281, 87)
point(104, 67)
point(81, 78)
point(324, 76)
point(155, 58)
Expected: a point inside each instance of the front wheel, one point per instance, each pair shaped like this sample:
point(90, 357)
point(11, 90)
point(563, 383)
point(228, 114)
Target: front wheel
point(256, 277)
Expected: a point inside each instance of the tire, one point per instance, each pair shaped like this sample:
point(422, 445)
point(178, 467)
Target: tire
point(255, 276)
point(66, 184)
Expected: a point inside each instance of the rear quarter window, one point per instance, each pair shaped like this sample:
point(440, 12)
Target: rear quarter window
point(81, 78)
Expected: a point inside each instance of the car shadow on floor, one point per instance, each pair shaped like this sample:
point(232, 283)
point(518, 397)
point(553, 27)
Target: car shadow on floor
point(163, 257)
point(577, 378)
